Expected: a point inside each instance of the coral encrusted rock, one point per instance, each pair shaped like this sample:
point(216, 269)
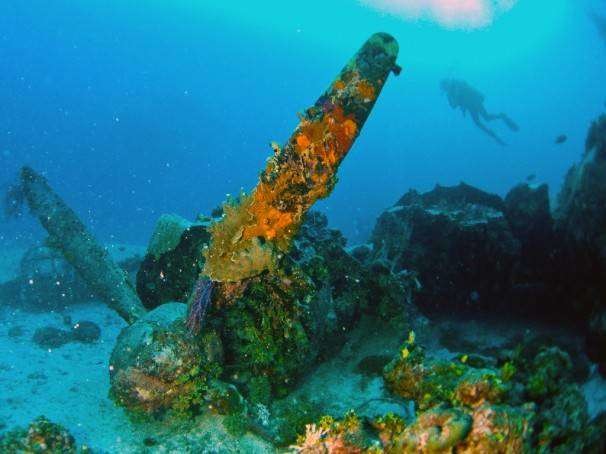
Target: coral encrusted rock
point(40, 436)
point(157, 365)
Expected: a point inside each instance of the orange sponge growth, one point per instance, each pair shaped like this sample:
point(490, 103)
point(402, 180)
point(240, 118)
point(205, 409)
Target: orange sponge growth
point(253, 234)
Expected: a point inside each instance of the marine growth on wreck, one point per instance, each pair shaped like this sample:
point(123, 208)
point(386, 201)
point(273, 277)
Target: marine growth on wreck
point(257, 229)
point(439, 301)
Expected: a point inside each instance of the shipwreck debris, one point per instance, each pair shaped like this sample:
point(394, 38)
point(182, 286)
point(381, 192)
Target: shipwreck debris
point(79, 247)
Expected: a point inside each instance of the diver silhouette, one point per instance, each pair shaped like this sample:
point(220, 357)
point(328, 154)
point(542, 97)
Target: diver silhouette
point(462, 95)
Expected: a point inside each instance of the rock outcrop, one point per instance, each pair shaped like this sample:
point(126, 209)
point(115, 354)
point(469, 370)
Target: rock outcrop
point(173, 261)
point(41, 435)
point(157, 365)
point(459, 242)
point(581, 221)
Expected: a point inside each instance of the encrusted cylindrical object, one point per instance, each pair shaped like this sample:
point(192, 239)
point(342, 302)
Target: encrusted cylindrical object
point(68, 234)
point(260, 226)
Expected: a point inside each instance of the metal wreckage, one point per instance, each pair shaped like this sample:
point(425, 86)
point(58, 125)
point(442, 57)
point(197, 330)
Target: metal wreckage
point(229, 312)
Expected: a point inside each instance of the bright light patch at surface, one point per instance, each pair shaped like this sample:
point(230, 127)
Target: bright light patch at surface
point(450, 13)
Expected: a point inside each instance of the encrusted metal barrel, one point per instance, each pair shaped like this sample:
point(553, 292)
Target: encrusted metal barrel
point(260, 226)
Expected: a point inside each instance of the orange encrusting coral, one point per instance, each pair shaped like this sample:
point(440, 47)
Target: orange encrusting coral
point(366, 90)
point(253, 234)
point(339, 85)
point(277, 205)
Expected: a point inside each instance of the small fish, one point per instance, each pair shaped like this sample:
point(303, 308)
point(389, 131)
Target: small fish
point(531, 177)
point(561, 139)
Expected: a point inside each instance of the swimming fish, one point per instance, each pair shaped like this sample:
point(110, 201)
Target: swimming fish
point(531, 177)
point(561, 139)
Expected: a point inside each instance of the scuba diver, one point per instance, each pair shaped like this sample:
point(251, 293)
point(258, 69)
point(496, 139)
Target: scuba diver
point(462, 95)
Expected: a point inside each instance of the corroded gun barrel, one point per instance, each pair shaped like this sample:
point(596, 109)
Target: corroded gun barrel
point(255, 231)
point(68, 234)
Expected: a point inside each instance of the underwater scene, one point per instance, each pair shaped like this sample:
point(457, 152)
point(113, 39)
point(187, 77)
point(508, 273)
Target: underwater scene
point(320, 227)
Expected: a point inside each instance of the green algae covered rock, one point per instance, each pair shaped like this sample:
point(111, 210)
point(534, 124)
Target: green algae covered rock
point(410, 376)
point(479, 386)
point(173, 261)
point(529, 404)
point(41, 436)
point(264, 333)
point(280, 324)
point(549, 369)
point(442, 429)
point(564, 422)
point(487, 429)
point(429, 382)
point(353, 286)
point(289, 416)
point(271, 329)
point(157, 365)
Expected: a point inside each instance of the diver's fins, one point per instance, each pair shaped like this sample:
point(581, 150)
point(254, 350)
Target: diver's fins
point(510, 123)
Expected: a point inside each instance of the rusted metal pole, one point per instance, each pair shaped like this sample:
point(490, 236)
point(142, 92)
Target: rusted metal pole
point(79, 247)
point(254, 232)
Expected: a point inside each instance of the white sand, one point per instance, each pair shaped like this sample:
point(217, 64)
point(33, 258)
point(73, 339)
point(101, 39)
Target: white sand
point(70, 385)
point(338, 386)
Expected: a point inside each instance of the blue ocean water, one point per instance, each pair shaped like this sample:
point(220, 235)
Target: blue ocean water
point(135, 110)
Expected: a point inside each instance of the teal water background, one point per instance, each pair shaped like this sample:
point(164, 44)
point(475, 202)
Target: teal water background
point(137, 108)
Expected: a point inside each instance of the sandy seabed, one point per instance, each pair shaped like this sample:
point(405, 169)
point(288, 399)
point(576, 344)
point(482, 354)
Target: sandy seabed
point(70, 385)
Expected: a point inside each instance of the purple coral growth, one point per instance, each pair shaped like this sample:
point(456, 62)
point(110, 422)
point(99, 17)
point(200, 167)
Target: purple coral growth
point(201, 299)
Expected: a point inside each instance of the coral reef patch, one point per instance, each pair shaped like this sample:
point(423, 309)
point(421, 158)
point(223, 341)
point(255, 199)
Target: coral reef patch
point(42, 435)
